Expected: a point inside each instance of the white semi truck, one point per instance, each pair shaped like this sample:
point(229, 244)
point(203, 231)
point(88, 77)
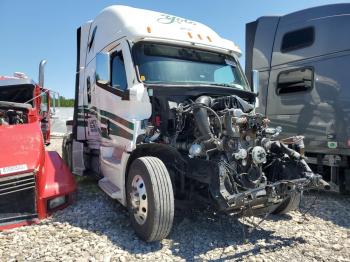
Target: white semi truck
point(163, 111)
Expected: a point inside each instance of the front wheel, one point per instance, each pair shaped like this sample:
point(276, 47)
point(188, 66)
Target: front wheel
point(150, 198)
point(289, 204)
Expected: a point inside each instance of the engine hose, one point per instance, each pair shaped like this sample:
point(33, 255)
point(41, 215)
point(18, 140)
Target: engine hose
point(202, 121)
point(314, 178)
point(201, 115)
point(234, 177)
point(278, 147)
point(230, 131)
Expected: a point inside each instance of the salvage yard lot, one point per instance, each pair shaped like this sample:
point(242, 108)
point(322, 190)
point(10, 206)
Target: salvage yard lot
point(96, 228)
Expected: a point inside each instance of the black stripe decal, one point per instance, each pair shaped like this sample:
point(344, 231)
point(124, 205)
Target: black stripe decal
point(105, 118)
point(116, 130)
point(114, 117)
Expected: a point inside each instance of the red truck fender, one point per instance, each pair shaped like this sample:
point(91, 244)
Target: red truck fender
point(55, 181)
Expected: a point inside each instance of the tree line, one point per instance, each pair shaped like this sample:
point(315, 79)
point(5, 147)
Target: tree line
point(62, 102)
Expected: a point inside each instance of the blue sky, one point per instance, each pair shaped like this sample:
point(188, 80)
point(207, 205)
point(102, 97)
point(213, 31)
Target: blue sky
point(37, 29)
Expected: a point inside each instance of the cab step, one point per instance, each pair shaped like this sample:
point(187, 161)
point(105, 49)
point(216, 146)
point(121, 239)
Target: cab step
point(109, 188)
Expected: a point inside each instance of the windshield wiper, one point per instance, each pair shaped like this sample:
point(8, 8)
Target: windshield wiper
point(221, 84)
point(237, 86)
point(226, 85)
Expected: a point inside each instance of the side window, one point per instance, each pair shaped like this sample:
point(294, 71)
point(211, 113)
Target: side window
point(298, 39)
point(88, 89)
point(118, 80)
point(294, 81)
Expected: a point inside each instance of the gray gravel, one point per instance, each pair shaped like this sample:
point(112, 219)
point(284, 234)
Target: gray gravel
point(97, 228)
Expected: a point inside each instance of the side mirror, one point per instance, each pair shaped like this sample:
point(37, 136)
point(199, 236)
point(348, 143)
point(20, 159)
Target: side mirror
point(45, 97)
point(43, 108)
point(102, 73)
point(53, 96)
point(255, 81)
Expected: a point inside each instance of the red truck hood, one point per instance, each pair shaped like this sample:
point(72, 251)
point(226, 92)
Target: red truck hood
point(21, 148)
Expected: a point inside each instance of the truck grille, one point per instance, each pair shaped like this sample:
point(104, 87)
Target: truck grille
point(17, 199)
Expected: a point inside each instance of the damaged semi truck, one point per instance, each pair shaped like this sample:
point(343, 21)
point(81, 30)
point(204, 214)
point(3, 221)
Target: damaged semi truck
point(163, 111)
point(34, 183)
point(303, 60)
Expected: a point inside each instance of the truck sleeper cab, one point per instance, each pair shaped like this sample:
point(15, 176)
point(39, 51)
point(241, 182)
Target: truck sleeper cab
point(164, 111)
point(302, 59)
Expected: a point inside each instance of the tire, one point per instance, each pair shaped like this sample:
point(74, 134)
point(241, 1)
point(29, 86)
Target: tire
point(344, 181)
point(67, 151)
point(289, 204)
point(152, 220)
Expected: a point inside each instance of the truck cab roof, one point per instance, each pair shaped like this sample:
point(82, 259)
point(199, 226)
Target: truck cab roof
point(316, 13)
point(12, 80)
point(297, 36)
point(117, 21)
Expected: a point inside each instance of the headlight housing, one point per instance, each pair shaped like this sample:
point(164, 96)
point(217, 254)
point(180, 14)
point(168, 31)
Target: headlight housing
point(57, 202)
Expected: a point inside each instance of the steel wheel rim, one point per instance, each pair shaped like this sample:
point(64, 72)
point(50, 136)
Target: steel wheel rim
point(139, 199)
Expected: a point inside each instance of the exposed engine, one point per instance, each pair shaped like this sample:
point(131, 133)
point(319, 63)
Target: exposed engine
point(229, 147)
point(13, 116)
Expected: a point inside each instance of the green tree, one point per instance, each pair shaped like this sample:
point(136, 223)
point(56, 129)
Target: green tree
point(62, 102)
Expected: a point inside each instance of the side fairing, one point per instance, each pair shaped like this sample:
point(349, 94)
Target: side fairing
point(81, 92)
point(260, 36)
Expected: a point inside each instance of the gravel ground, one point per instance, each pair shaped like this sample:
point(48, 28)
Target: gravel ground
point(97, 228)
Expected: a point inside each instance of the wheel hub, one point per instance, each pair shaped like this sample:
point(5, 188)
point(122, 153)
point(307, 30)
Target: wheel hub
point(139, 199)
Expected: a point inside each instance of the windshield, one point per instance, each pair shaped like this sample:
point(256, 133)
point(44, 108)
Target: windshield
point(160, 63)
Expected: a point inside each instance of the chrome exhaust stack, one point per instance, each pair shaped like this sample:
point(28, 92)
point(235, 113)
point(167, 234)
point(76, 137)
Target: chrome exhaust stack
point(41, 72)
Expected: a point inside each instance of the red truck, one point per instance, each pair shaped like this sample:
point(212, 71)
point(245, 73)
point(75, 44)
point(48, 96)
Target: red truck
point(33, 182)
